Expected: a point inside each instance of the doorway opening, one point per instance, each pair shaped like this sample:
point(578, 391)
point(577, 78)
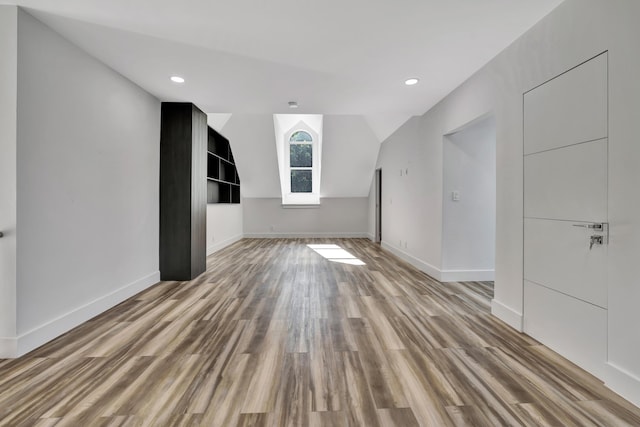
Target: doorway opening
point(378, 194)
point(469, 202)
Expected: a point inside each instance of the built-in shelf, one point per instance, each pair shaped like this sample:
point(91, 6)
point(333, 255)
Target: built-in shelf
point(223, 182)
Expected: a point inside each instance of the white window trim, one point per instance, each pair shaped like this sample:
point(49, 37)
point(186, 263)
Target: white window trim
point(312, 198)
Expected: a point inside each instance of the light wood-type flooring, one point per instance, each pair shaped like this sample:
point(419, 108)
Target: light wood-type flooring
point(274, 334)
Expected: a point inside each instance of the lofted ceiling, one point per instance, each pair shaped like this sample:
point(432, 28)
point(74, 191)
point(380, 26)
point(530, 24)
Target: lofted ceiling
point(333, 57)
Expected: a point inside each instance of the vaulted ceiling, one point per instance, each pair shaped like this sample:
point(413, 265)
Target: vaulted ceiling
point(243, 60)
point(331, 56)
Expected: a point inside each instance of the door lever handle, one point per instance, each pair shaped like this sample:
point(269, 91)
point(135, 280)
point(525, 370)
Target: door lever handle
point(1, 234)
point(594, 226)
point(595, 240)
point(599, 227)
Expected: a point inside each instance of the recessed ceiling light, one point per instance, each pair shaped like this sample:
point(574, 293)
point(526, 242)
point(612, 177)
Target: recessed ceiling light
point(412, 81)
point(293, 104)
point(177, 79)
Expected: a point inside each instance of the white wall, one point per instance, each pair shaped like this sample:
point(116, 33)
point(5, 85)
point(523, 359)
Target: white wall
point(371, 219)
point(349, 153)
point(88, 192)
point(412, 202)
point(224, 226)
point(8, 123)
point(576, 31)
point(469, 224)
point(337, 217)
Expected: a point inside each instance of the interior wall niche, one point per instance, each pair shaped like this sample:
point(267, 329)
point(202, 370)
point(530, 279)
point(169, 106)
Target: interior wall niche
point(223, 181)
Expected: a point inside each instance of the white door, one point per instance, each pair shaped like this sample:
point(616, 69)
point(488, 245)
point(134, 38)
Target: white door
point(565, 213)
point(8, 234)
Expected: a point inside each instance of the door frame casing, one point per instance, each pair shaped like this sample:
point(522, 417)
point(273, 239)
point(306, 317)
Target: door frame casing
point(378, 206)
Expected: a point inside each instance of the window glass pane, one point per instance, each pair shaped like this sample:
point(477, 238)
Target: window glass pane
point(300, 155)
point(301, 181)
point(300, 136)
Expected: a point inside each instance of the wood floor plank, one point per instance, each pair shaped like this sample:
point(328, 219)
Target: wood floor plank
point(359, 406)
point(274, 334)
point(423, 398)
point(228, 398)
point(327, 391)
point(400, 417)
point(327, 419)
point(386, 387)
point(293, 403)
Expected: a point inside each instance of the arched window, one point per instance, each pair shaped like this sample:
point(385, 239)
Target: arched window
point(300, 136)
point(301, 162)
point(298, 139)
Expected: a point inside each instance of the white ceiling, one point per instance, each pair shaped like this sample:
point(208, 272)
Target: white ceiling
point(331, 56)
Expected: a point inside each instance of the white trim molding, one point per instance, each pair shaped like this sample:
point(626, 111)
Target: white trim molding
point(467, 275)
point(623, 383)
point(303, 206)
point(440, 275)
point(419, 264)
point(329, 235)
point(223, 244)
point(56, 327)
point(507, 314)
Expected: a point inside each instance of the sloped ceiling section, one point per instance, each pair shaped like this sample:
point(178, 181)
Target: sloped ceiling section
point(216, 81)
point(383, 125)
point(331, 56)
point(345, 60)
point(349, 153)
point(218, 120)
point(252, 140)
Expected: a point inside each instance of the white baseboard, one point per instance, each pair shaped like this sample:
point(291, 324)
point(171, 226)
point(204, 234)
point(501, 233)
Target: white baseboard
point(623, 383)
point(436, 273)
point(56, 327)
point(371, 237)
point(277, 235)
point(506, 314)
point(221, 245)
point(419, 264)
point(467, 275)
point(8, 348)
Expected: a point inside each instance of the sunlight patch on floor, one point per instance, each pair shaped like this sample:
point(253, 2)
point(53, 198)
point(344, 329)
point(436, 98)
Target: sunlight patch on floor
point(335, 253)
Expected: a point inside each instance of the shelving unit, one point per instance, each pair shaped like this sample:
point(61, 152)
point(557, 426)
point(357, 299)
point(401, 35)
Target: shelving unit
point(183, 208)
point(223, 182)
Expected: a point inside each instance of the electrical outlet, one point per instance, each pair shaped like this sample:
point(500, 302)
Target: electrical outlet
point(272, 228)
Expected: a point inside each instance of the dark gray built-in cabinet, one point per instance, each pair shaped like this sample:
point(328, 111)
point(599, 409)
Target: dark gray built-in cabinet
point(183, 191)
point(223, 182)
